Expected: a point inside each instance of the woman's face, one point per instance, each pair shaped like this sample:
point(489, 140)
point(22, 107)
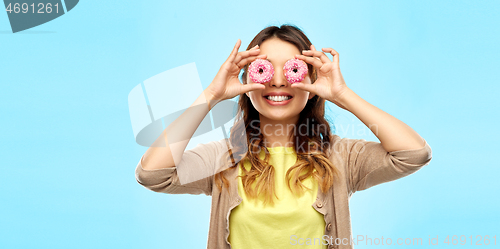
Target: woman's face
point(278, 53)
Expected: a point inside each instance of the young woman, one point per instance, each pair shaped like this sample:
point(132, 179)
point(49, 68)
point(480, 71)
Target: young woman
point(284, 179)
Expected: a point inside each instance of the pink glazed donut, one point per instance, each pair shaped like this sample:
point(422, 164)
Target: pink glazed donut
point(295, 70)
point(261, 71)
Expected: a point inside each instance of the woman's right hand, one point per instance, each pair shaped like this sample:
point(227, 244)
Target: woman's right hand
point(226, 84)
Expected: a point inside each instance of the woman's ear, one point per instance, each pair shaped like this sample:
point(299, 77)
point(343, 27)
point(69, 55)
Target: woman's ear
point(311, 95)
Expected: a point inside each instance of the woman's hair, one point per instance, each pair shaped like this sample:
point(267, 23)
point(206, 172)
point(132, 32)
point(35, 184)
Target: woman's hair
point(312, 136)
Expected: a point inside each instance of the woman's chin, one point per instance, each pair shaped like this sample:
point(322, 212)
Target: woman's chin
point(279, 116)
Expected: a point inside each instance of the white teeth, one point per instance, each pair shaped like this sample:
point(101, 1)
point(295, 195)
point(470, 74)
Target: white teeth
point(278, 98)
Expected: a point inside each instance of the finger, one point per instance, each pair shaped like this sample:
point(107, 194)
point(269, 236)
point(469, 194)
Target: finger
point(314, 49)
point(305, 87)
point(334, 53)
point(251, 87)
point(248, 60)
point(311, 60)
point(245, 54)
point(322, 56)
point(233, 54)
point(252, 51)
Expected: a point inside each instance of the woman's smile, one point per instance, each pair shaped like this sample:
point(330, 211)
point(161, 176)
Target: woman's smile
point(278, 103)
point(278, 98)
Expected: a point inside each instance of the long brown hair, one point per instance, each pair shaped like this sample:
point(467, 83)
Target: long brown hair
point(312, 148)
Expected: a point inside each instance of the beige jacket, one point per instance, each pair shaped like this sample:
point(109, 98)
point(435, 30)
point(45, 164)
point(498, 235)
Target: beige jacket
point(362, 164)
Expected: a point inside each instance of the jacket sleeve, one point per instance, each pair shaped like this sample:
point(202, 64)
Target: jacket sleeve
point(194, 178)
point(367, 163)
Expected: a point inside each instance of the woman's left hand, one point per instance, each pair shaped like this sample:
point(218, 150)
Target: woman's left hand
point(329, 84)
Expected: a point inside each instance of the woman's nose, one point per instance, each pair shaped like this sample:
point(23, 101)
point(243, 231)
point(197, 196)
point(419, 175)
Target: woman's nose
point(278, 79)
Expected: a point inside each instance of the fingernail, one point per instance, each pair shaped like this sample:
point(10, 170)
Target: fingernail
point(255, 46)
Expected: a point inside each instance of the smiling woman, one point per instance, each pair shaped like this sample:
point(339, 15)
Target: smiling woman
point(282, 172)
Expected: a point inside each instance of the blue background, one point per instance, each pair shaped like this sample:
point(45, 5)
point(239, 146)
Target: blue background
point(68, 152)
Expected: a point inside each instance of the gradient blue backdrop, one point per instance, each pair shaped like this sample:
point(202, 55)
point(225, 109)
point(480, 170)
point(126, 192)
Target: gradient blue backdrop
point(69, 155)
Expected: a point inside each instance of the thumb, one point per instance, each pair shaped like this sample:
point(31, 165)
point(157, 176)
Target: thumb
point(305, 87)
point(251, 87)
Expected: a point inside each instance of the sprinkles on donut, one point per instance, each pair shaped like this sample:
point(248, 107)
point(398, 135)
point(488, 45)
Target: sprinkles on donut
point(261, 71)
point(295, 70)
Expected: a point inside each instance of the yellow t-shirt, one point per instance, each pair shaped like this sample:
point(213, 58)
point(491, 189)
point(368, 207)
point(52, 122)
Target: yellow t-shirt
point(291, 222)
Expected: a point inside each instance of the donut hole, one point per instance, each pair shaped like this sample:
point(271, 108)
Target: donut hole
point(295, 70)
point(260, 70)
